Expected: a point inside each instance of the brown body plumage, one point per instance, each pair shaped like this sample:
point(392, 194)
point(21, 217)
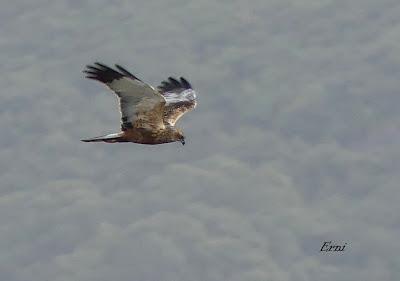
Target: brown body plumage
point(144, 136)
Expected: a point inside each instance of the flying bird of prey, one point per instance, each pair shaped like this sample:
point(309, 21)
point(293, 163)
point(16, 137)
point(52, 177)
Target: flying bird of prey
point(148, 114)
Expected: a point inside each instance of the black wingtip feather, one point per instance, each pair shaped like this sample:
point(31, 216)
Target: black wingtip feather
point(174, 81)
point(172, 84)
point(102, 65)
point(103, 73)
point(126, 72)
point(186, 83)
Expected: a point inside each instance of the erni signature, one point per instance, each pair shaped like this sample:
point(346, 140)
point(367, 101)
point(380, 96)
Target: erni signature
point(330, 246)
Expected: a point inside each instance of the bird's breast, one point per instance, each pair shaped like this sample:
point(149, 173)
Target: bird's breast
point(146, 136)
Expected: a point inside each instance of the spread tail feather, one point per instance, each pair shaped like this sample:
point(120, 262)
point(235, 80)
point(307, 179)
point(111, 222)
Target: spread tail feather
point(117, 137)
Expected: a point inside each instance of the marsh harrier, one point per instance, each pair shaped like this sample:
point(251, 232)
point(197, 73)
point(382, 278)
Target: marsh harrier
point(148, 114)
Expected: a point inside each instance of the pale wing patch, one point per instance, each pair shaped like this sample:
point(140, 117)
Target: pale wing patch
point(177, 104)
point(129, 87)
point(140, 104)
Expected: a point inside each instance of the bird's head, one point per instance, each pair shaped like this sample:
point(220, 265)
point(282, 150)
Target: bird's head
point(180, 137)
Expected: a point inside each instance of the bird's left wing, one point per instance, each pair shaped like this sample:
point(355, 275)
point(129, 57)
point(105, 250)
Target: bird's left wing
point(141, 105)
point(180, 98)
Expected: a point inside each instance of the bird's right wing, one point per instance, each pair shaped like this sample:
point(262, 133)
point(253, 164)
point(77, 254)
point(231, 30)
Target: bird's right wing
point(141, 105)
point(180, 98)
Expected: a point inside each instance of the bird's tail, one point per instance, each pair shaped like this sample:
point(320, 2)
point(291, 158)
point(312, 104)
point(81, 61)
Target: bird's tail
point(117, 137)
